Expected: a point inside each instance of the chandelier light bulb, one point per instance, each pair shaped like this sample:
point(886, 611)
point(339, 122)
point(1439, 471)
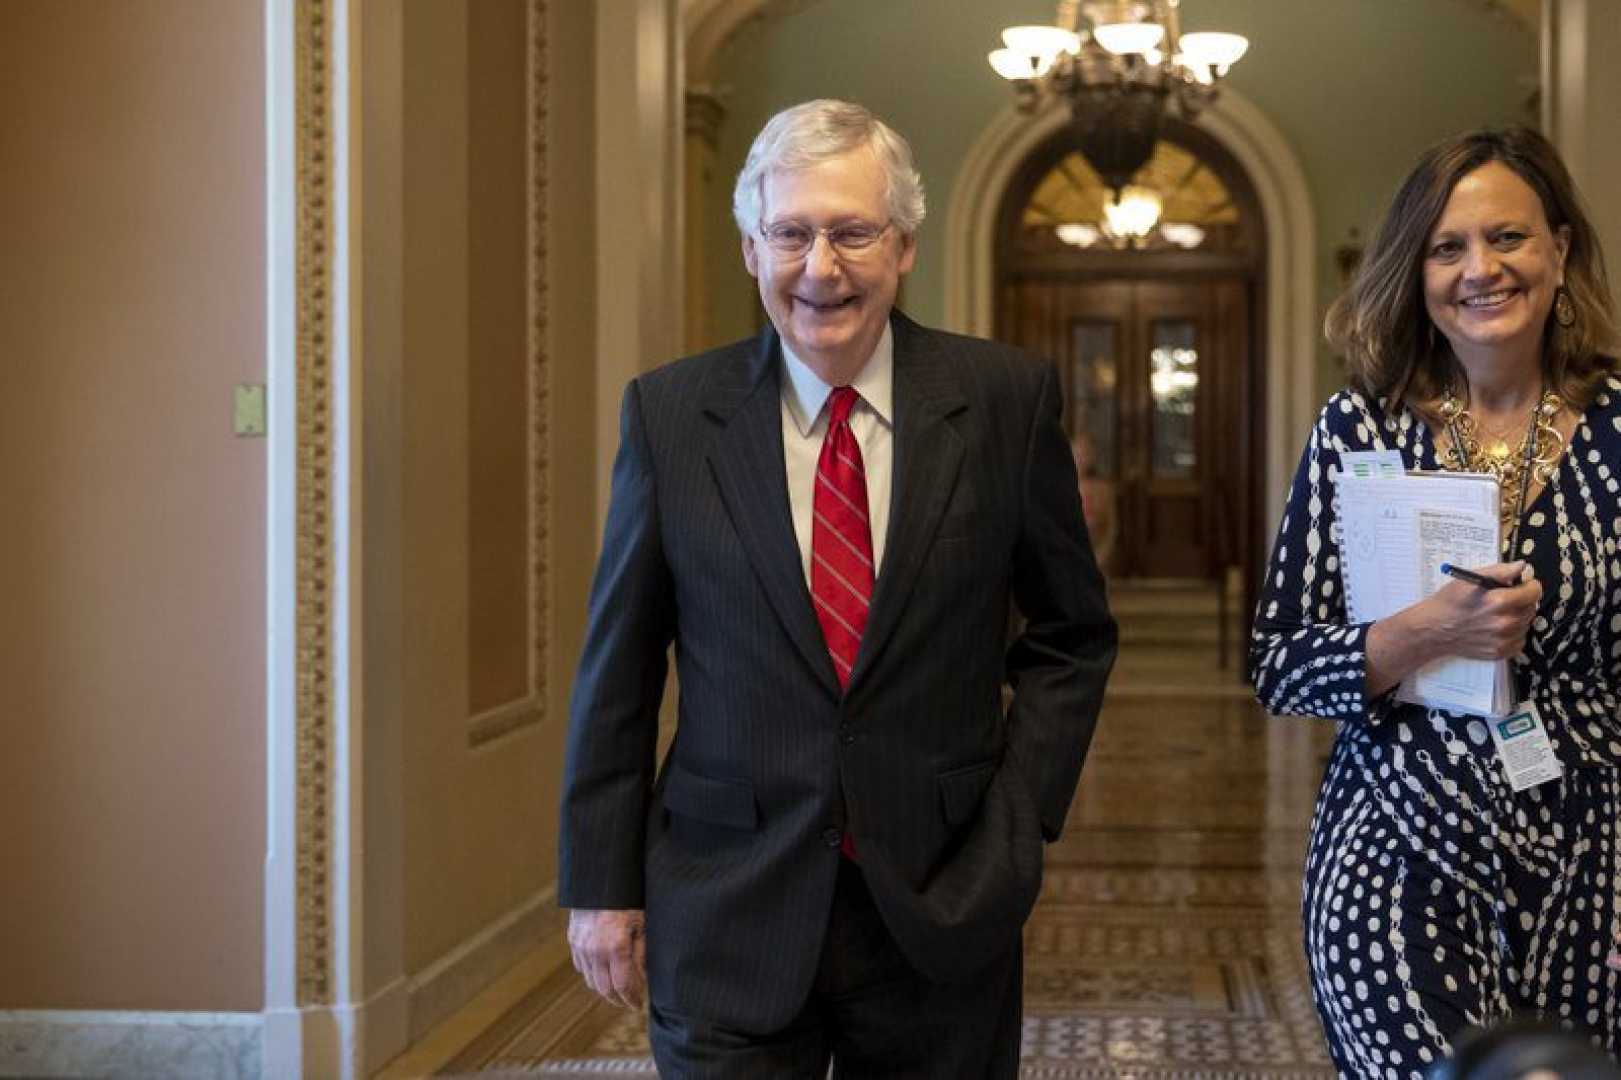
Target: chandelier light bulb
point(1125, 38)
point(1041, 41)
point(1014, 66)
point(1133, 214)
point(1079, 233)
point(1209, 49)
point(1184, 234)
point(1199, 73)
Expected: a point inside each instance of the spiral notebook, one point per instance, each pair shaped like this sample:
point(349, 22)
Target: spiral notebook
point(1397, 528)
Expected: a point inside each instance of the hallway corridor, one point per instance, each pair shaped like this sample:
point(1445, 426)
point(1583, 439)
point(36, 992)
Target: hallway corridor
point(1166, 941)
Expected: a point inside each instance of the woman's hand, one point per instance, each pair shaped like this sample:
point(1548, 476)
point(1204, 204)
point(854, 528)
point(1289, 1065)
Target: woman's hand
point(1458, 619)
point(1485, 624)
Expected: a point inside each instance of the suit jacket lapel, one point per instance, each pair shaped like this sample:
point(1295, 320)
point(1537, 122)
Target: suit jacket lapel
point(928, 455)
point(746, 456)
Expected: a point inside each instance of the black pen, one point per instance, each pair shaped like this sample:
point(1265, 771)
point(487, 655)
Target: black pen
point(1471, 577)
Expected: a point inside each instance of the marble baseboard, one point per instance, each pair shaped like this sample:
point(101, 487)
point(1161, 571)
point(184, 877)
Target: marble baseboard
point(181, 1045)
point(456, 978)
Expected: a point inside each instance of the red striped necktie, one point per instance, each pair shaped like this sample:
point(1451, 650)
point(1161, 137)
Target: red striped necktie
point(841, 545)
point(841, 538)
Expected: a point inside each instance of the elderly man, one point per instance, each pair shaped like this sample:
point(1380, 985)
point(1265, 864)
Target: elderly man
point(829, 522)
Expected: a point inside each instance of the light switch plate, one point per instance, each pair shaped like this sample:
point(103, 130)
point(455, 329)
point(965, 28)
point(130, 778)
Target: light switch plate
point(248, 416)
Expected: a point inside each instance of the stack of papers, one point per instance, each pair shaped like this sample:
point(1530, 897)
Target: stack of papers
point(1397, 530)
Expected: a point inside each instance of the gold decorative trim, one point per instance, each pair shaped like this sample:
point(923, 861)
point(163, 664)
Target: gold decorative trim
point(515, 716)
point(312, 19)
point(531, 710)
point(539, 364)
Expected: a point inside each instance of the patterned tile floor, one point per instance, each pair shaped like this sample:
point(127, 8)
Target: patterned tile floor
point(1166, 941)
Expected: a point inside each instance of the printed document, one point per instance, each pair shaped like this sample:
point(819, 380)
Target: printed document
point(1396, 531)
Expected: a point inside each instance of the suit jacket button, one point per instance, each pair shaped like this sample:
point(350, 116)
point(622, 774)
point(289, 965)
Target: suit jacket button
point(832, 837)
point(847, 737)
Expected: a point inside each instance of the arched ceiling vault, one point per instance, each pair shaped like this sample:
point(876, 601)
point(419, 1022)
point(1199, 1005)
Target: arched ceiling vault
point(708, 25)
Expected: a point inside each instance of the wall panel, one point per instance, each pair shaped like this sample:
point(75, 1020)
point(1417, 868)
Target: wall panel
point(132, 562)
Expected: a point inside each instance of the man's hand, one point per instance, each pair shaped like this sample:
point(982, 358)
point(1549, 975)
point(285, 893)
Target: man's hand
point(610, 950)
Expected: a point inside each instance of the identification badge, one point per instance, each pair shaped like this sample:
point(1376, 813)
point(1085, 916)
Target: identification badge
point(1524, 748)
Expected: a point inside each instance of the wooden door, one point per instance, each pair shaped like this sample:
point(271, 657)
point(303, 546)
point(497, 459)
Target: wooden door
point(1157, 390)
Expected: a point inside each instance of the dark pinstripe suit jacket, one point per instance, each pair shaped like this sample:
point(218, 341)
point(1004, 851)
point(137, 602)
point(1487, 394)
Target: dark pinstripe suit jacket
point(733, 850)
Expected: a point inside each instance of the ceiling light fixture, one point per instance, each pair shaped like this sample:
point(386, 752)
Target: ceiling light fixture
point(1080, 234)
point(1115, 62)
point(1132, 214)
point(1184, 234)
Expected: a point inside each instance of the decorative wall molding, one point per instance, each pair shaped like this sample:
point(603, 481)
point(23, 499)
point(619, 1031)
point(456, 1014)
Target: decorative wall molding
point(705, 110)
point(495, 724)
point(1293, 323)
point(182, 1045)
point(314, 498)
point(539, 366)
point(461, 974)
point(283, 1038)
point(383, 1021)
point(491, 725)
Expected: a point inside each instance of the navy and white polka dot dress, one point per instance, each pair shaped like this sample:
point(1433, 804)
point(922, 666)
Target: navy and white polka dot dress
point(1435, 896)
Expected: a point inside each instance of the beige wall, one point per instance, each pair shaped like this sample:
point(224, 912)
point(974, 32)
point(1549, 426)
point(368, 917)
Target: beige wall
point(470, 834)
point(132, 559)
point(380, 320)
point(572, 313)
point(1581, 88)
point(498, 404)
point(469, 815)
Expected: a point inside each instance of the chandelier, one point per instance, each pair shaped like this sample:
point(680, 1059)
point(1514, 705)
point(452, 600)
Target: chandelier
point(1128, 217)
point(1129, 220)
point(1116, 62)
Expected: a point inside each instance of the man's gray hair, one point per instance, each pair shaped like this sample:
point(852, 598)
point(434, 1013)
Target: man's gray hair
point(817, 131)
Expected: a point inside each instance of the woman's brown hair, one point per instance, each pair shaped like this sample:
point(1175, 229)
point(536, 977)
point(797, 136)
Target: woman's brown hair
point(1380, 324)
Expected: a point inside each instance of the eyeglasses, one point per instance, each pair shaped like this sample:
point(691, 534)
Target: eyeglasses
point(852, 240)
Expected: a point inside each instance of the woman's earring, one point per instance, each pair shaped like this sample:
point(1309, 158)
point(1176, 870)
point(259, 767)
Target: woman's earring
point(1564, 310)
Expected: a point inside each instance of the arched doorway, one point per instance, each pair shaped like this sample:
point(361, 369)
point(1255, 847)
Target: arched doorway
point(1158, 345)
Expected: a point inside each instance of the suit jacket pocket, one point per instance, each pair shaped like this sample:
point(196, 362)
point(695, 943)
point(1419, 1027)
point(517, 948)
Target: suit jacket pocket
point(961, 790)
point(717, 802)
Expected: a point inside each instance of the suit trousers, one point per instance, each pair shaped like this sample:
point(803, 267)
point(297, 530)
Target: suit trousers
point(870, 1013)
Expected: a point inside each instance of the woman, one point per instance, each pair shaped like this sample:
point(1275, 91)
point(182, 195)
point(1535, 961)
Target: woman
point(1437, 897)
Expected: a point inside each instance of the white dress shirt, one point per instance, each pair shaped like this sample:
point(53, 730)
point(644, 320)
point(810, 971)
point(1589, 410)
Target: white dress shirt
point(872, 422)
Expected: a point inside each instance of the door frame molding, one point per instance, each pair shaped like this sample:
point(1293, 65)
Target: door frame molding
point(1289, 280)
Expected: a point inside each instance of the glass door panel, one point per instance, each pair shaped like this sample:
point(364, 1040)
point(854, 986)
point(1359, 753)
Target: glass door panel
point(1173, 378)
point(1093, 409)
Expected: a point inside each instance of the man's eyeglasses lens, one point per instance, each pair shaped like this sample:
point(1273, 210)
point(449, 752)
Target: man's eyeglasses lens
point(793, 240)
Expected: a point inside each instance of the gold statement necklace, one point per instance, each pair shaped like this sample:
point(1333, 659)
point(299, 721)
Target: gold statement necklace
point(1537, 457)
